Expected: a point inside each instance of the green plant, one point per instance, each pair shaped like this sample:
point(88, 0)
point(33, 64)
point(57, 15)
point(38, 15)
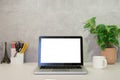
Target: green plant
point(107, 35)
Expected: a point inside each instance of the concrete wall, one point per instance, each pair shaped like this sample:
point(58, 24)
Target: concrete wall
point(26, 20)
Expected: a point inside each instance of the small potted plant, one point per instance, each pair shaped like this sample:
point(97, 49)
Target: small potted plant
point(107, 38)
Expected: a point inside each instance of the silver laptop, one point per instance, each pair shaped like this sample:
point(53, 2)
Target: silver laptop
point(60, 55)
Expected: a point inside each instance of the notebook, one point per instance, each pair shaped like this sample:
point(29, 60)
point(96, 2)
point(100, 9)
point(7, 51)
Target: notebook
point(60, 55)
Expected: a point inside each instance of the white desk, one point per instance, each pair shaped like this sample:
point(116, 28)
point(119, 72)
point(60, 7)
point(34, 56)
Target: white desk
point(25, 72)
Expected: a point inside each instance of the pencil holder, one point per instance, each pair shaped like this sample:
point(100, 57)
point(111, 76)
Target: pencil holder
point(18, 59)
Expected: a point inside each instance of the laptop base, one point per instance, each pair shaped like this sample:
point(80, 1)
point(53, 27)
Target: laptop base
point(82, 71)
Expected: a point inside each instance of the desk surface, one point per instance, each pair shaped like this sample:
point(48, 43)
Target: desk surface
point(25, 72)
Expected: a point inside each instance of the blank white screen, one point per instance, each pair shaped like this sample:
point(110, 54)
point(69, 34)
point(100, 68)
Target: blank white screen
point(60, 50)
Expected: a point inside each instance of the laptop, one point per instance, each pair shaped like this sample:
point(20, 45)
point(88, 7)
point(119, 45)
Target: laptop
point(60, 55)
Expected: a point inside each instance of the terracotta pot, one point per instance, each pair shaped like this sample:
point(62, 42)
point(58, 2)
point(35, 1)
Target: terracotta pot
point(110, 54)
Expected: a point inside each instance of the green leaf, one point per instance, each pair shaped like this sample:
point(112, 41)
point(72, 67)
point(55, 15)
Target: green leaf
point(108, 29)
point(103, 46)
point(92, 30)
point(115, 42)
point(113, 28)
point(118, 32)
point(91, 23)
point(101, 28)
point(99, 42)
point(87, 25)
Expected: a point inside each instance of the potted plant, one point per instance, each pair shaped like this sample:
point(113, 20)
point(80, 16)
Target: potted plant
point(107, 38)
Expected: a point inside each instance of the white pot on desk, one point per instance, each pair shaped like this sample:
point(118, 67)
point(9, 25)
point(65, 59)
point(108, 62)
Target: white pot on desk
point(19, 59)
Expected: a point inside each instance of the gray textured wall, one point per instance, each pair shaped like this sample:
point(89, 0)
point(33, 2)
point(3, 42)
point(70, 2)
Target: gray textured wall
point(26, 20)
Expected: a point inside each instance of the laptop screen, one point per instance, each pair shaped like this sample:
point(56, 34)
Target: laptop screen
point(60, 50)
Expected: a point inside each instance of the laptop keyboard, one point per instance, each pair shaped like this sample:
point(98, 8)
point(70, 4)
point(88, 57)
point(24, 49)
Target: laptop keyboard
point(65, 67)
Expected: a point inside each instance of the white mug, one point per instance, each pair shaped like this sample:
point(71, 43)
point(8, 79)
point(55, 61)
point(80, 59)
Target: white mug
point(99, 62)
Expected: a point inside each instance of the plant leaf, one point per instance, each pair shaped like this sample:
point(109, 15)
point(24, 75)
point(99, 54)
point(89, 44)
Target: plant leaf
point(87, 25)
point(91, 23)
point(118, 32)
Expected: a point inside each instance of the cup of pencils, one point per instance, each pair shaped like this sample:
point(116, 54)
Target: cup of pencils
point(18, 49)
